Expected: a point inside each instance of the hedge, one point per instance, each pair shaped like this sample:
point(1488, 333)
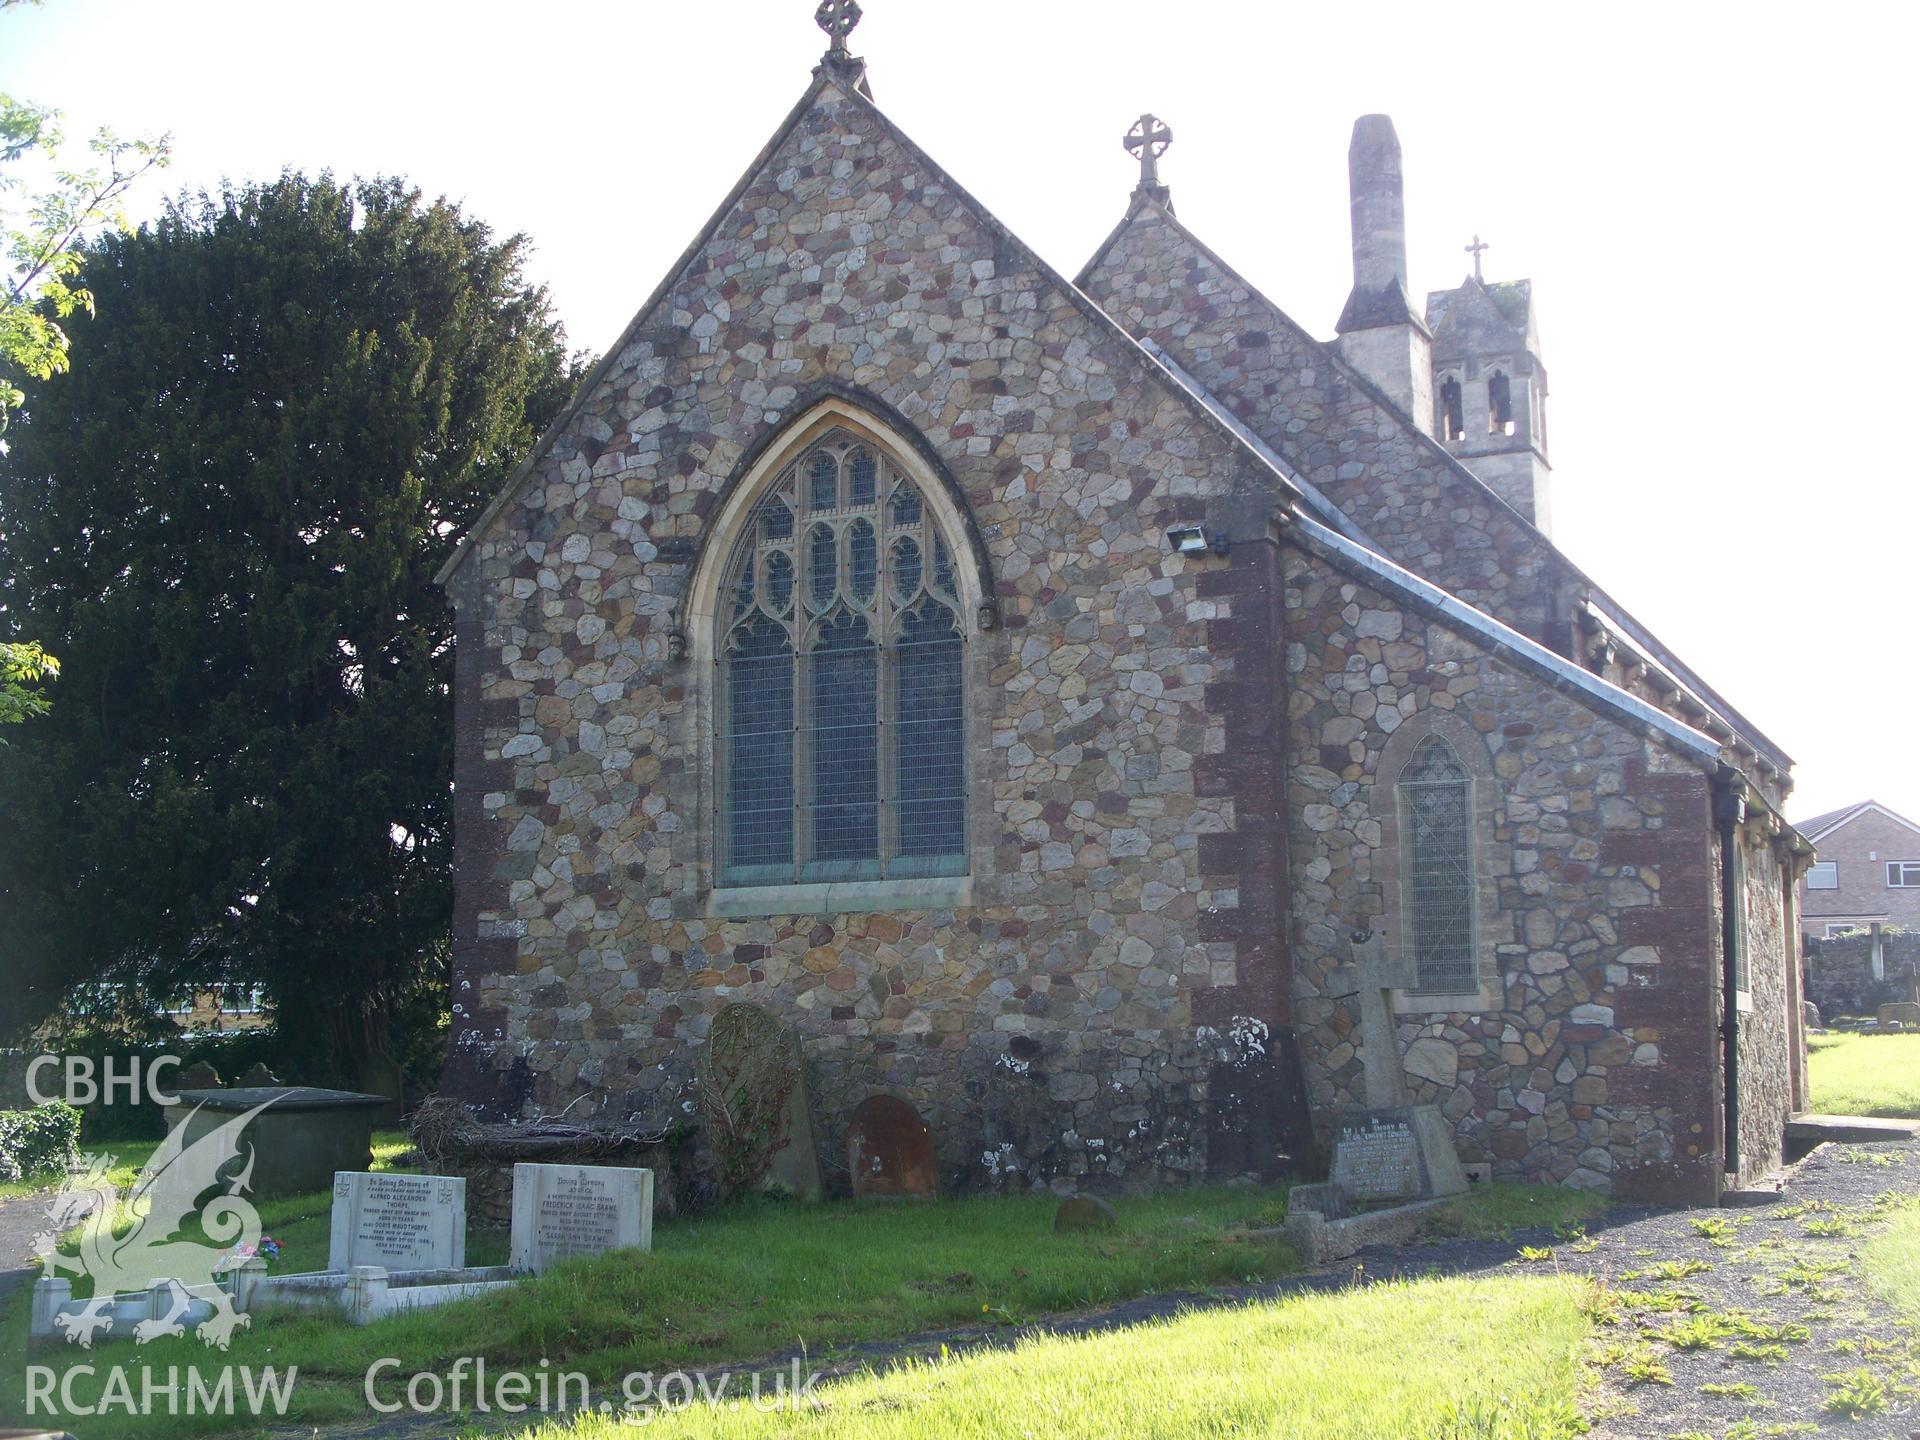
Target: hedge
point(41, 1141)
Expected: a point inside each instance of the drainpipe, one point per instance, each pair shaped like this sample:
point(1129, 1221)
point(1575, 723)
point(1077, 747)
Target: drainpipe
point(1729, 810)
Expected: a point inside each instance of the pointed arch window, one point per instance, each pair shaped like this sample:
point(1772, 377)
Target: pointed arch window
point(1436, 796)
point(841, 680)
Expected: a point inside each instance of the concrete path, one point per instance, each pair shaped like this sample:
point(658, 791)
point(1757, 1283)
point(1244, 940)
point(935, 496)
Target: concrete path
point(22, 1218)
point(1850, 1129)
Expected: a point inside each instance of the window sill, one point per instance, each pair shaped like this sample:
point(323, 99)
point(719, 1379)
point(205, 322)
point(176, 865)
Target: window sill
point(841, 897)
point(1425, 1002)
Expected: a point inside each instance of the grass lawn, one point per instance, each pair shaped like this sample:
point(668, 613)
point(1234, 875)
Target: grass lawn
point(726, 1286)
point(1865, 1074)
point(765, 1277)
point(1892, 1263)
point(1422, 1360)
point(128, 1157)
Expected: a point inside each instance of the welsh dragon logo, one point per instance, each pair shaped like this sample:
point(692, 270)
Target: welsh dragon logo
point(134, 1242)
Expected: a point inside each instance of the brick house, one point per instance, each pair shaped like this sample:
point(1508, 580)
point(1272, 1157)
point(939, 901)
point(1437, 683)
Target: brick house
point(1867, 871)
point(1025, 687)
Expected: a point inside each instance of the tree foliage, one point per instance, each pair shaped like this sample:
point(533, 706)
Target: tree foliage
point(42, 245)
point(22, 666)
point(226, 518)
point(43, 239)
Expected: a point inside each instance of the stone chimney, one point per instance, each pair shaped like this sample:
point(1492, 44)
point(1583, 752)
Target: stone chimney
point(1381, 335)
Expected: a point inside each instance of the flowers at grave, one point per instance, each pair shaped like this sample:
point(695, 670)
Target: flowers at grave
point(267, 1249)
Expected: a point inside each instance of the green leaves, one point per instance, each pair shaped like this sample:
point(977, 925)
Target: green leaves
point(22, 666)
point(41, 239)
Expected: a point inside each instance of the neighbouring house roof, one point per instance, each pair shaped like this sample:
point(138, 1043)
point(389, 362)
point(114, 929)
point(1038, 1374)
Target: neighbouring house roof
point(1818, 825)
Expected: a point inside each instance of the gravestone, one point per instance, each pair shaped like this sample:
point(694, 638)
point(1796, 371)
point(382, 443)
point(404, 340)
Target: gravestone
point(1399, 1153)
point(300, 1140)
point(755, 1102)
point(562, 1211)
point(398, 1222)
point(1084, 1212)
point(890, 1151)
point(1327, 1199)
point(1810, 1014)
point(1390, 1149)
point(1904, 1014)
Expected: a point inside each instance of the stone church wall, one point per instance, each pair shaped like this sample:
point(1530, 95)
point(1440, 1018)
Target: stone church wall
point(1844, 979)
point(1596, 912)
point(1099, 1008)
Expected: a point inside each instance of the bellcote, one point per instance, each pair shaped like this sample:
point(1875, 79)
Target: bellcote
point(1490, 388)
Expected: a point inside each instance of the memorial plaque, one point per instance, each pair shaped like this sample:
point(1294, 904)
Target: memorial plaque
point(560, 1211)
point(1376, 1157)
point(401, 1222)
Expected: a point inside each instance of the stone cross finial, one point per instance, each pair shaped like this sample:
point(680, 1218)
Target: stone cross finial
point(837, 18)
point(1373, 976)
point(1474, 250)
point(1148, 139)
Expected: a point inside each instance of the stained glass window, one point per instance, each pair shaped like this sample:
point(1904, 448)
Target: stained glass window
point(841, 663)
point(1437, 803)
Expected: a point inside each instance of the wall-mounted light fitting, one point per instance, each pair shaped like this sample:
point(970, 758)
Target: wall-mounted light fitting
point(1194, 540)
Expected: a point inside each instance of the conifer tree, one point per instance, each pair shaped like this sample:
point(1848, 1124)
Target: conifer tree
point(225, 519)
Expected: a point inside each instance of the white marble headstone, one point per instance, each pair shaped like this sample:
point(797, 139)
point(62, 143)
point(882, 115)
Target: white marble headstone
point(401, 1222)
point(560, 1211)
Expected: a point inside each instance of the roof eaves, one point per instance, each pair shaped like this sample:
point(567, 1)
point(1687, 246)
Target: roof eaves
point(1503, 640)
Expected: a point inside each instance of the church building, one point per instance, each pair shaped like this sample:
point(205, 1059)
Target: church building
point(1030, 688)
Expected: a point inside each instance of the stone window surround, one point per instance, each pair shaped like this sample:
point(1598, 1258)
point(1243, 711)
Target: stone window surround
point(1486, 797)
point(700, 622)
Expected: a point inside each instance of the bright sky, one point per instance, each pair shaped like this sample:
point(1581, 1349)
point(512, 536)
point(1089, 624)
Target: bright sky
point(1714, 202)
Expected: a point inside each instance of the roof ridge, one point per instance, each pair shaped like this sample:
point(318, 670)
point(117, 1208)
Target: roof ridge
point(1832, 820)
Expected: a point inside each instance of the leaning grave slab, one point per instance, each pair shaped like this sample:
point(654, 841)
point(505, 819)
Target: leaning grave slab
point(1389, 1150)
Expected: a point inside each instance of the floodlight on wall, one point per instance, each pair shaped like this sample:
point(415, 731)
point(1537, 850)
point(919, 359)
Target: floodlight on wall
point(1194, 540)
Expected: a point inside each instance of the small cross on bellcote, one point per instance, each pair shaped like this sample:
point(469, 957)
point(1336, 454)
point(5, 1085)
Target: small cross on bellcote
point(1148, 140)
point(1474, 250)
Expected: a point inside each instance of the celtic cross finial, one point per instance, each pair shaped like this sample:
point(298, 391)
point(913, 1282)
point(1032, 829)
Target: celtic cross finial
point(837, 18)
point(1474, 250)
point(1148, 139)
